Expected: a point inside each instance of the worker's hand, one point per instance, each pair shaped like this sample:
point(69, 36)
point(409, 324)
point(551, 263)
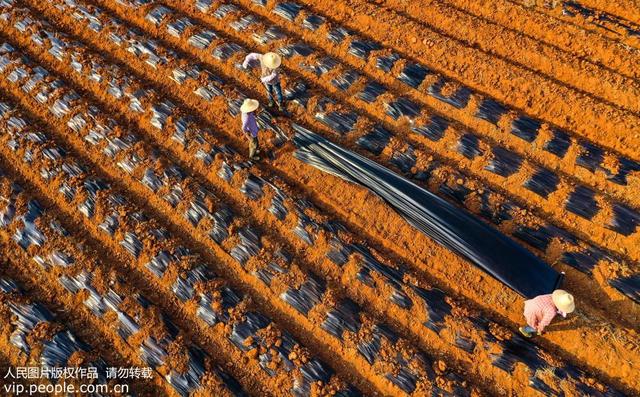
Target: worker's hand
point(240, 66)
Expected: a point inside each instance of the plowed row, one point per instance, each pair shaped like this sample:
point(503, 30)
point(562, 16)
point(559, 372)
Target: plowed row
point(121, 137)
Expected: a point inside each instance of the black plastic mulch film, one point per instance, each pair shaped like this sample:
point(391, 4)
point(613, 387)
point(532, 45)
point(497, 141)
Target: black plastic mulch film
point(452, 227)
point(468, 145)
point(342, 316)
point(572, 9)
point(53, 351)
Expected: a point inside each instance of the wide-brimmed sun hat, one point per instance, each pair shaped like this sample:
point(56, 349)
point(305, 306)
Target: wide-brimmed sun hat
point(563, 301)
point(249, 105)
point(271, 60)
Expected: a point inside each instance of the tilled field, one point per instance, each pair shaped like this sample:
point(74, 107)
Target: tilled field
point(137, 233)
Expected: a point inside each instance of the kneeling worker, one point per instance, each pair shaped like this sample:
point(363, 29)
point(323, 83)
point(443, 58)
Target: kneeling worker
point(540, 311)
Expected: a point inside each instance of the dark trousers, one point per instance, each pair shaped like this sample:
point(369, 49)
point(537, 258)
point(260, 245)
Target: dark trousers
point(253, 146)
point(274, 89)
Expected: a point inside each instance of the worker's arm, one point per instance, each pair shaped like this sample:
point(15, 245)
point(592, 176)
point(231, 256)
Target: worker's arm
point(548, 315)
point(270, 78)
point(252, 58)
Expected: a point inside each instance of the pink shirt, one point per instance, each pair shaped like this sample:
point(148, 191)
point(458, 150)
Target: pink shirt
point(539, 311)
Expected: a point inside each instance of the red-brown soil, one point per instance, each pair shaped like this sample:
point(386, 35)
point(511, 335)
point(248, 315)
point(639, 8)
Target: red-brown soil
point(536, 60)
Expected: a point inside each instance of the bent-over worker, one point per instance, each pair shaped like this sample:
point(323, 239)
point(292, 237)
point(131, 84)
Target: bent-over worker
point(540, 311)
point(269, 76)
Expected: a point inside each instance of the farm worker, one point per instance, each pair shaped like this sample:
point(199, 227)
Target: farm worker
point(269, 64)
point(540, 310)
point(250, 126)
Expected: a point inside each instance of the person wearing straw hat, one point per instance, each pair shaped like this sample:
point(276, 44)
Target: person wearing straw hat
point(250, 126)
point(269, 64)
point(540, 311)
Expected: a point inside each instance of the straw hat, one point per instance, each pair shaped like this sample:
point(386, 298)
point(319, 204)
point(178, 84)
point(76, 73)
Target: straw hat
point(271, 60)
point(249, 105)
point(563, 301)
